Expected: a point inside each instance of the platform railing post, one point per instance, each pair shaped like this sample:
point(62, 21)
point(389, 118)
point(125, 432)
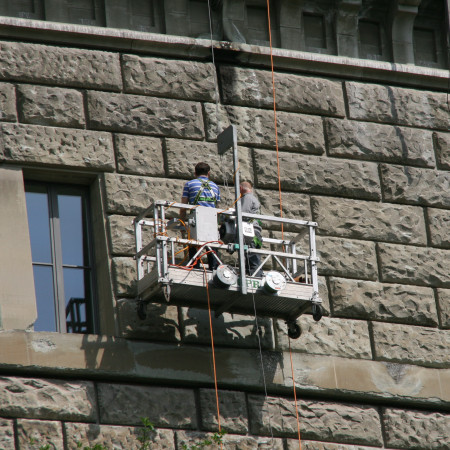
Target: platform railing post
point(313, 254)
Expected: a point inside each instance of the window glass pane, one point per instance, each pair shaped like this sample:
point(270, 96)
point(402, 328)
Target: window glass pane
point(71, 223)
point(76, 295)
point(45, 298)
point(39, 225)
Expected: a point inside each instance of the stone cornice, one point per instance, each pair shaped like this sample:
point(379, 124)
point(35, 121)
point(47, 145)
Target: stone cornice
point(178, 46)
point(104, 357)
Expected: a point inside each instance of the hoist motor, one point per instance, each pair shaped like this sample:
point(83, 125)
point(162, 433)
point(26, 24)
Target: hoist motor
point(227, 231)
point(202, 223)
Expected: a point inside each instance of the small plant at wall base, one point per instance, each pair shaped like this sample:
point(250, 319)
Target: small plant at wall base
point(145, 433)
point(216, 438)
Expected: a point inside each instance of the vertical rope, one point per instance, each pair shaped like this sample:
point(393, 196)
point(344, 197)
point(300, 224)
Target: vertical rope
point(281, 202)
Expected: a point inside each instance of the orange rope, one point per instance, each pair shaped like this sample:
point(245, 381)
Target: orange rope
point(281, 201)
point(213, 353)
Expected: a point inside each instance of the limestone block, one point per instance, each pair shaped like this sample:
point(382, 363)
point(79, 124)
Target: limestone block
point(337, 337)
point(57, 146)
point(416, 429)
point(60, 66)
point(411, 345)
point(7, 434)
point(374, 142)
point(36, 434)
point(439, 223)
point(140, 155)
point(183, 155)
point(442, 145)
point(127, 194)
point(124, 276)
point(115, 437)
point(121, 235)
point(230, 441)
point(347, 258)
point(164, 407)
point(145, 115)
point(188, 80)
point(444, 307)
point(377, 103)
point(292, 444)
point(42, 105)
point(296, 132)
point(335, 422)
point(414, 265)
point(161, 323)
point(310, 95)
point(387, 302)
point(7, 103)
point(236, 330)
point(47, 399)
point(403, 184)
point(232, 407)
point(319, 175)
point(358, 219)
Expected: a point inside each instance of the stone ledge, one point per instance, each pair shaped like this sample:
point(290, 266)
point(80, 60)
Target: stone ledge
point(106, 357)
point(160, 44)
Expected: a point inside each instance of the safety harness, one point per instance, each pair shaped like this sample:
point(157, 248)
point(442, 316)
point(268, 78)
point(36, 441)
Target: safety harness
point(201, 198)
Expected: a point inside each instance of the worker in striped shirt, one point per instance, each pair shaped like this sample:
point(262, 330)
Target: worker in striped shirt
point(204, 192)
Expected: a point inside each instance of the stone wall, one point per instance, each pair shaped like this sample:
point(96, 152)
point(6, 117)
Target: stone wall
point(369, 162)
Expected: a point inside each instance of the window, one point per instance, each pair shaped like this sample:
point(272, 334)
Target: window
point(60, 238)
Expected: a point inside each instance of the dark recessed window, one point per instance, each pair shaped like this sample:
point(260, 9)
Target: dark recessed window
point(425, 51)
point(370, 40)
point(60, 238)
point(315, 35)
point(258, 25)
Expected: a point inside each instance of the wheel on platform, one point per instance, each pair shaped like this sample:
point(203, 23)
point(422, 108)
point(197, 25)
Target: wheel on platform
point(140, 309)
point(317, 311)
point(166, 292)
point(294, 330)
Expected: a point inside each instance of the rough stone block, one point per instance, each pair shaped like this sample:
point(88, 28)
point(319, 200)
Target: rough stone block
point(140, 155)
point(337, 337)
point(369, 220)
point(347, 258)
point(115, 437)
point(232, 407)
point(127, 194)
point(161, 323)
point(47, 399)
point(444, 307)
point(60, 66)
point(121, 235)
point(37, 434)
point(411, 345)
point(292, 444)
point(145, 115)
point(164, 407)
point(234, 330)
point(310, 95)
point(124, 276)
point(319, 175)
point(414, 265)
point(56, 146)
point(333, 422)
point(42, 105)
point(439, 223)
point(410, 430)
point(7, 434)
point(296, 132)
point(182, 156)
point(404, 184)
point(188, 80)
point(377, 103)
point(374, 142)
point(230, 441)
point(387, 302)
point(442, 145)
point(7, 103)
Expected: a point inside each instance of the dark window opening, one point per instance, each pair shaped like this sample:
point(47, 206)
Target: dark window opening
point(370, 40)
point(60, 236)
point(315, 33)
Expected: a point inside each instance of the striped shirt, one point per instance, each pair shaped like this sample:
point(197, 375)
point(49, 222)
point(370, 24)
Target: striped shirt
point(207, 194)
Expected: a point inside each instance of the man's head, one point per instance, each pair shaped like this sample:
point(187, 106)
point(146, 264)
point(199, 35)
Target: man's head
point(202, 168)
point(246, 187)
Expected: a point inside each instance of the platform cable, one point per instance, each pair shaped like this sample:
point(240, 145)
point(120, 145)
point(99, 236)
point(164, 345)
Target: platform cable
point(281, 201)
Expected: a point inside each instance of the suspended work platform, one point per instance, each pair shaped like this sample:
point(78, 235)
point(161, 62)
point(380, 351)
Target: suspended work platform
point(283, 286)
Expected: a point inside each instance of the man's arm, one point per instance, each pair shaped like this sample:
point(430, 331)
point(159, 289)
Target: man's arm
point(184, 200)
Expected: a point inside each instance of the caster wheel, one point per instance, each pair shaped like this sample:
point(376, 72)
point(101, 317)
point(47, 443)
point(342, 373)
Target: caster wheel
point(317, 311)
point(166, 292)
point(141, 310)
point(294, 330)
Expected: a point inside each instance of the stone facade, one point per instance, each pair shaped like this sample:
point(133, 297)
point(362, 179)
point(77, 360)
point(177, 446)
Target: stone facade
point(368, 161)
